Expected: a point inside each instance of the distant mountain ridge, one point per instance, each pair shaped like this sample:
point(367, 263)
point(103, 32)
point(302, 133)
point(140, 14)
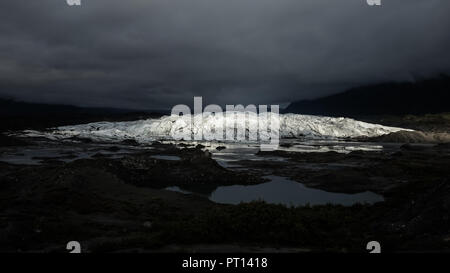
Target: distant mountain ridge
point(421, 97)
point(9, 107)
point(18, 115)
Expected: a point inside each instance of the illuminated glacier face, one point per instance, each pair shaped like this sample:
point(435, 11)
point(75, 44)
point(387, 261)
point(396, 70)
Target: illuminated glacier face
point(290, 126)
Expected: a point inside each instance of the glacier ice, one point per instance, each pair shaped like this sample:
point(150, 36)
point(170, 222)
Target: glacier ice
point(291, 126)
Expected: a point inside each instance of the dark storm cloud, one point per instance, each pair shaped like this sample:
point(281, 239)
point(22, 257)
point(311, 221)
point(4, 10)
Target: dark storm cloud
point(153, 54)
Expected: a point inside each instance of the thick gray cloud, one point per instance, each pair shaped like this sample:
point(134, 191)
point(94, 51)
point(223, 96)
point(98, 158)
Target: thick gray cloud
point(157, 53)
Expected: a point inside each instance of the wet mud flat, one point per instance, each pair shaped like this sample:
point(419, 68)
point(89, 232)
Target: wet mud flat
point(119, 204)
point(379, 171)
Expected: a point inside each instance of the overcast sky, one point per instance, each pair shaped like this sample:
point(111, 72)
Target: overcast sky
point(155, 54)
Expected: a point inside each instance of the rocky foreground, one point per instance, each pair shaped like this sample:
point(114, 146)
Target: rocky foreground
point(120, 205)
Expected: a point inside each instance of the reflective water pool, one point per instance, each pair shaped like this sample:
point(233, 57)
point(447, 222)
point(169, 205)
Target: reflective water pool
point(287, 192)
